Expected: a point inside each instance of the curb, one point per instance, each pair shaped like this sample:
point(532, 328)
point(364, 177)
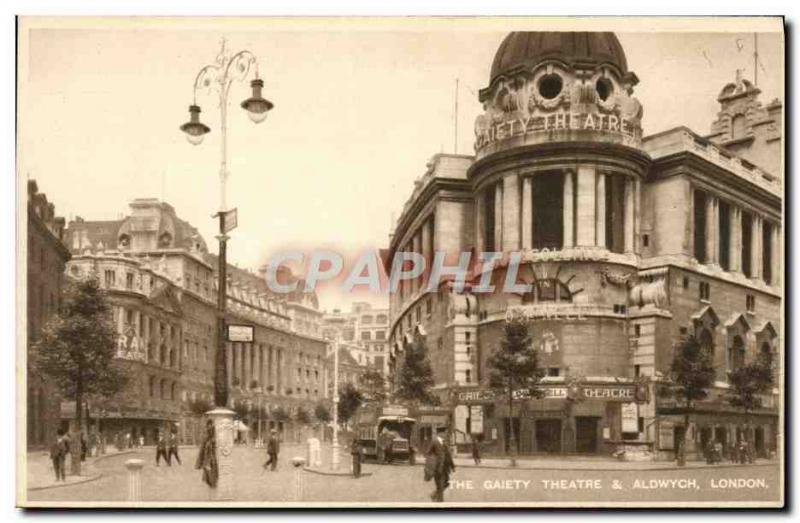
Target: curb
point(332, 473)
point(614, 469)
point(87, 479)
point(61, 485)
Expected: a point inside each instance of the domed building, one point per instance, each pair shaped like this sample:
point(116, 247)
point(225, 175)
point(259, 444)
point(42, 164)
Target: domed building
point(626, 243)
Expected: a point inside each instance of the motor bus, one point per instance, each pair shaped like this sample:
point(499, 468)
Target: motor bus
point(386, 433)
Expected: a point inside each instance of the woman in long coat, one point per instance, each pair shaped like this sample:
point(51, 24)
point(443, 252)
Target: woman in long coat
point(207, 456)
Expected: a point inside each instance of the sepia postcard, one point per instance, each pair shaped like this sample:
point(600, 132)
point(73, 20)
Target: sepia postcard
point(400, 262)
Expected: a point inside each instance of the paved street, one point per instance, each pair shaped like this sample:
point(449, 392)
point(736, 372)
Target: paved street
point(402, 483)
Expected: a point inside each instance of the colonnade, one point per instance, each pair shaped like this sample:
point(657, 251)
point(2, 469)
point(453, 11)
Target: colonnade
point(583, 209)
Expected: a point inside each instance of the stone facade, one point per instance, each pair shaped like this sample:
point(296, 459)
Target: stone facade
point(160, 275)
point(627, 242)
point(46, 258)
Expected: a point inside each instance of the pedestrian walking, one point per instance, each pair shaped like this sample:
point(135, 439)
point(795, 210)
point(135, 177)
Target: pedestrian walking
point(58, 455)
point(84, 446)
point(476, 450)
point(207, 456)
point(273, 447)
point(173, 447)
point(355, 452)
point(441, 464)
point(161, 449)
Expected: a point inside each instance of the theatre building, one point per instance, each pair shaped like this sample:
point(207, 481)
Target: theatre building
point(627, 242)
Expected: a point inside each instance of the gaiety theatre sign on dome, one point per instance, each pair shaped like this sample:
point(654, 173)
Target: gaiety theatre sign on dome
point(545, 127)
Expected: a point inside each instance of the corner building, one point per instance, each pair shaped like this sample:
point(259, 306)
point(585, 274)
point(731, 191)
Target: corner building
point(627, 243)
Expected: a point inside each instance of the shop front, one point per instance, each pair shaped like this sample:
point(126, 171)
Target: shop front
point(587, 418)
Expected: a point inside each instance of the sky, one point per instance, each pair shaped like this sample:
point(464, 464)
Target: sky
point(359, 110)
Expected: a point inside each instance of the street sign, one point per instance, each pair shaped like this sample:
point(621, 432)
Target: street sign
point(230, 220)
point(240, 333)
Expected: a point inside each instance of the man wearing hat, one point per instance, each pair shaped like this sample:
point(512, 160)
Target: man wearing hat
point(273, 447)
point(439, 451)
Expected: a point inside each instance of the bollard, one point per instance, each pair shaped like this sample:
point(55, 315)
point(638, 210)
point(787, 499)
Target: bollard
point(134, 467)
point(298, 462)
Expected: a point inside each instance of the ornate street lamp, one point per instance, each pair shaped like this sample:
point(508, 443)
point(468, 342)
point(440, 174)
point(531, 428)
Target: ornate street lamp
point(220, 76)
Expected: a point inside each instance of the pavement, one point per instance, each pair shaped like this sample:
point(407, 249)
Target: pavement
point(40, 473)
point(607, 482)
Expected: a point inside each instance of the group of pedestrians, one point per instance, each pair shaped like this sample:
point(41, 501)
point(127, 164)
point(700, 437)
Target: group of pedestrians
point(167, 447)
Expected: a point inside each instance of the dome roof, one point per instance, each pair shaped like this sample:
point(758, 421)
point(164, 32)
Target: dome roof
point(525, 49)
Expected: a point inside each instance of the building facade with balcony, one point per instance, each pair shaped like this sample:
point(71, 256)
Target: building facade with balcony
point(162, 279)
point(626, 243)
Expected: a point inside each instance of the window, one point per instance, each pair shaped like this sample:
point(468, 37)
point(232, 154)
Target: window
point(488, 218)
point(548, 216)
point(738, 126)
point(766, 258)
point(620, 308)
point(553, 372)
point(724, 235)
point(637, 371)
point(750, 302)
point(705, 291)
point(685, 282)
point(382, 319)
point(380, 335)
point(428, 307)
point(365, 335)
point(604, 88)
point(440, 344)
point(110, 278)
point(637, 331)
point(468, 376)
point(418, 313)
point(550, 86)
point(700, 226)
point(129, 280)
point(645, 240)
point(640, 424)
point(683, 331)
point(736, 353)
point(151, 383)
point(747, 238)
point(366, 320)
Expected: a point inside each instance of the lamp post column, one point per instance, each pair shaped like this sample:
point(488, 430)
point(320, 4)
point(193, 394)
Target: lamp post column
point(222, 415)
point(335, 443)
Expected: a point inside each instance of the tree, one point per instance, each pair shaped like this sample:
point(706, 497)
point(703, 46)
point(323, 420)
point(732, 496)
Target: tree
point(241, 409)
point(322, 412)
point(691, 376)
point(76, 351)
point(199, 406)
point(350, 398)
point(416, 376)
point(302, 415)
point(279, 414)
point(748, 383)
point(373, 385)
point(515, 370)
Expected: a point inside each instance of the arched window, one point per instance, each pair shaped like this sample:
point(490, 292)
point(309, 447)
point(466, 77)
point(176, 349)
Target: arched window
point(736, 353)
point(706, 342)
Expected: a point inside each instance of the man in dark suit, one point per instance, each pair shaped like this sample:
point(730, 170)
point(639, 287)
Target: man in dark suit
point(443, 463)
point(273, 447)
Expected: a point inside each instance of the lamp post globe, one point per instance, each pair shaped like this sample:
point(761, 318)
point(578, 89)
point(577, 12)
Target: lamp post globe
point(257, 106)
point(194, 128)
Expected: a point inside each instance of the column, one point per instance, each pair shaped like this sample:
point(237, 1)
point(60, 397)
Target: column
point(735, 244)
point(231, 367)
point(585, 212)
point(416, 246)
point(248, 364)
point(498, 217)
point(261, 376)
point(629, 211)
point(527, 212)
point(711, 230)
point(600, 233)
point(775, 255)
point(480, 222)
point(427, 234)
point(756, 248)
point(511, 227)
point(637, 214)
point(569, 209)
